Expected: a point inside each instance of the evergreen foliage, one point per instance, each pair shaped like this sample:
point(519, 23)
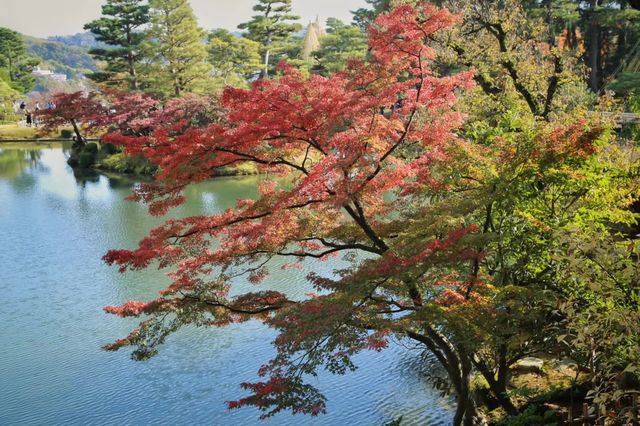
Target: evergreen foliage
point(176, 46)
point(120, 28)
point(14, 58)
point(234, 59)
point(271, 25)
point(341, 43)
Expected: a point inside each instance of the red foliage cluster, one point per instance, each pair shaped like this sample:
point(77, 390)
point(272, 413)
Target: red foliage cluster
point(344, 149)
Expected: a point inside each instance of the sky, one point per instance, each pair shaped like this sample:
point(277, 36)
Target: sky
point(43, 18)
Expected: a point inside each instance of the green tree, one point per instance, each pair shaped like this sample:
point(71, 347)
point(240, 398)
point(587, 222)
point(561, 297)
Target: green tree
point(604, 30)
point(342, 42)
point(13, 57)
point(177, 46)
point(363, 17)
point(272, 24)
point(234, 59)
point(473, 244)
point(120, 28)
point(12, 49)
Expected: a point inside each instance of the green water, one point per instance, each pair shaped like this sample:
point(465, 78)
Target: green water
point(54, 229)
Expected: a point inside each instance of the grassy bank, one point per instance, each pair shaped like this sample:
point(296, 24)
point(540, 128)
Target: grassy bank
point(13, 131)
point(16, 132)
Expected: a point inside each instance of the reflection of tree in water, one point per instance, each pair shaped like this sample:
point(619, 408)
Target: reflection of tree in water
point(87, 176)
point(84, 176)
point(120, 182)
point(13, 162)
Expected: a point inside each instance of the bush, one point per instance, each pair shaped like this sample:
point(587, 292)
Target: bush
point(91, 147)
point(66, 133)
point(531, 416)
point(122, 163)
point(86, 159)
point(109, 149)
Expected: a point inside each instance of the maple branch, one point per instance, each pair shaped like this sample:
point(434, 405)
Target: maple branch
point(236, 310)
point(254, 159)
point(433, 347)
point(395, 303)
point(252, 269)
point(362, 222)
point(407, 126)
point(498, 32)
point(554, 82)
point(346, 246)
point(485, 83)
point(242, 219)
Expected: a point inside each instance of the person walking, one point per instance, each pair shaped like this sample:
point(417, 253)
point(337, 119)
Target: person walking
point(29, 117)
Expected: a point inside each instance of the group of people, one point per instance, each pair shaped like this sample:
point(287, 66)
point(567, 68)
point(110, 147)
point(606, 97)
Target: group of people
point(21, 108)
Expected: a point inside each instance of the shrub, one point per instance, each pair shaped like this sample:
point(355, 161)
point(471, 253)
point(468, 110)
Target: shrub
point(122, 163)
point(86, 159)
point(91, 147)
point(109, 149)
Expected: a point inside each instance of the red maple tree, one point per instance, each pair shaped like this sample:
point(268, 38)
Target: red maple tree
point(359, 171)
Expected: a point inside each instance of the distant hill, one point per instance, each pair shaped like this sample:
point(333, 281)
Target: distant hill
point(85, 40)
point(60, 57)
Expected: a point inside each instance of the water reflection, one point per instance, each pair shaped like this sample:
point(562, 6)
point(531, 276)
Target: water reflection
point(13, 162)
point(55, 228)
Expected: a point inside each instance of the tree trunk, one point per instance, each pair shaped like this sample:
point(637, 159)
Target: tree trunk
point(594, 59)
point(265, 71)
point(133, 74)
point(76, 129)
point(176, 83)
point(267, 54)
point(498, 385)
point(10, 66)
point(131, 61)
point(458, 367)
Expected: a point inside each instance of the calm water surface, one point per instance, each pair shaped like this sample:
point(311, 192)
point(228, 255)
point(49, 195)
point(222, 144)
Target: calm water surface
point(54, 229)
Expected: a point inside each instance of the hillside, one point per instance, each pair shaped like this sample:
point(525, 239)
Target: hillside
point(60, 57)
point(84, 40)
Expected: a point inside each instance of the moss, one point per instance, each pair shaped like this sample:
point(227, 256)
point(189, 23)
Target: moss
point(542, 397)
point(121, 163)
point(531, 416)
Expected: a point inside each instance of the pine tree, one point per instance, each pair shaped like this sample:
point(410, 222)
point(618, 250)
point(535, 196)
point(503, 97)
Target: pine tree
point(234, 59)
point(15, 61)
point(11, 49)
point(177, 45)
point(120, 27)
point(271, 25)
point(341, 43)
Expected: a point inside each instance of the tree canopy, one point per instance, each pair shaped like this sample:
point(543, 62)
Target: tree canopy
point(460, 237)
point(121, 28)
point(177, 46)
point(233, 58)
point(455, 161)
point(272, 24)
point(14, 58)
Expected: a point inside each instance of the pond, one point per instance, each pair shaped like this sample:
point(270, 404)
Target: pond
point(54, 229)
